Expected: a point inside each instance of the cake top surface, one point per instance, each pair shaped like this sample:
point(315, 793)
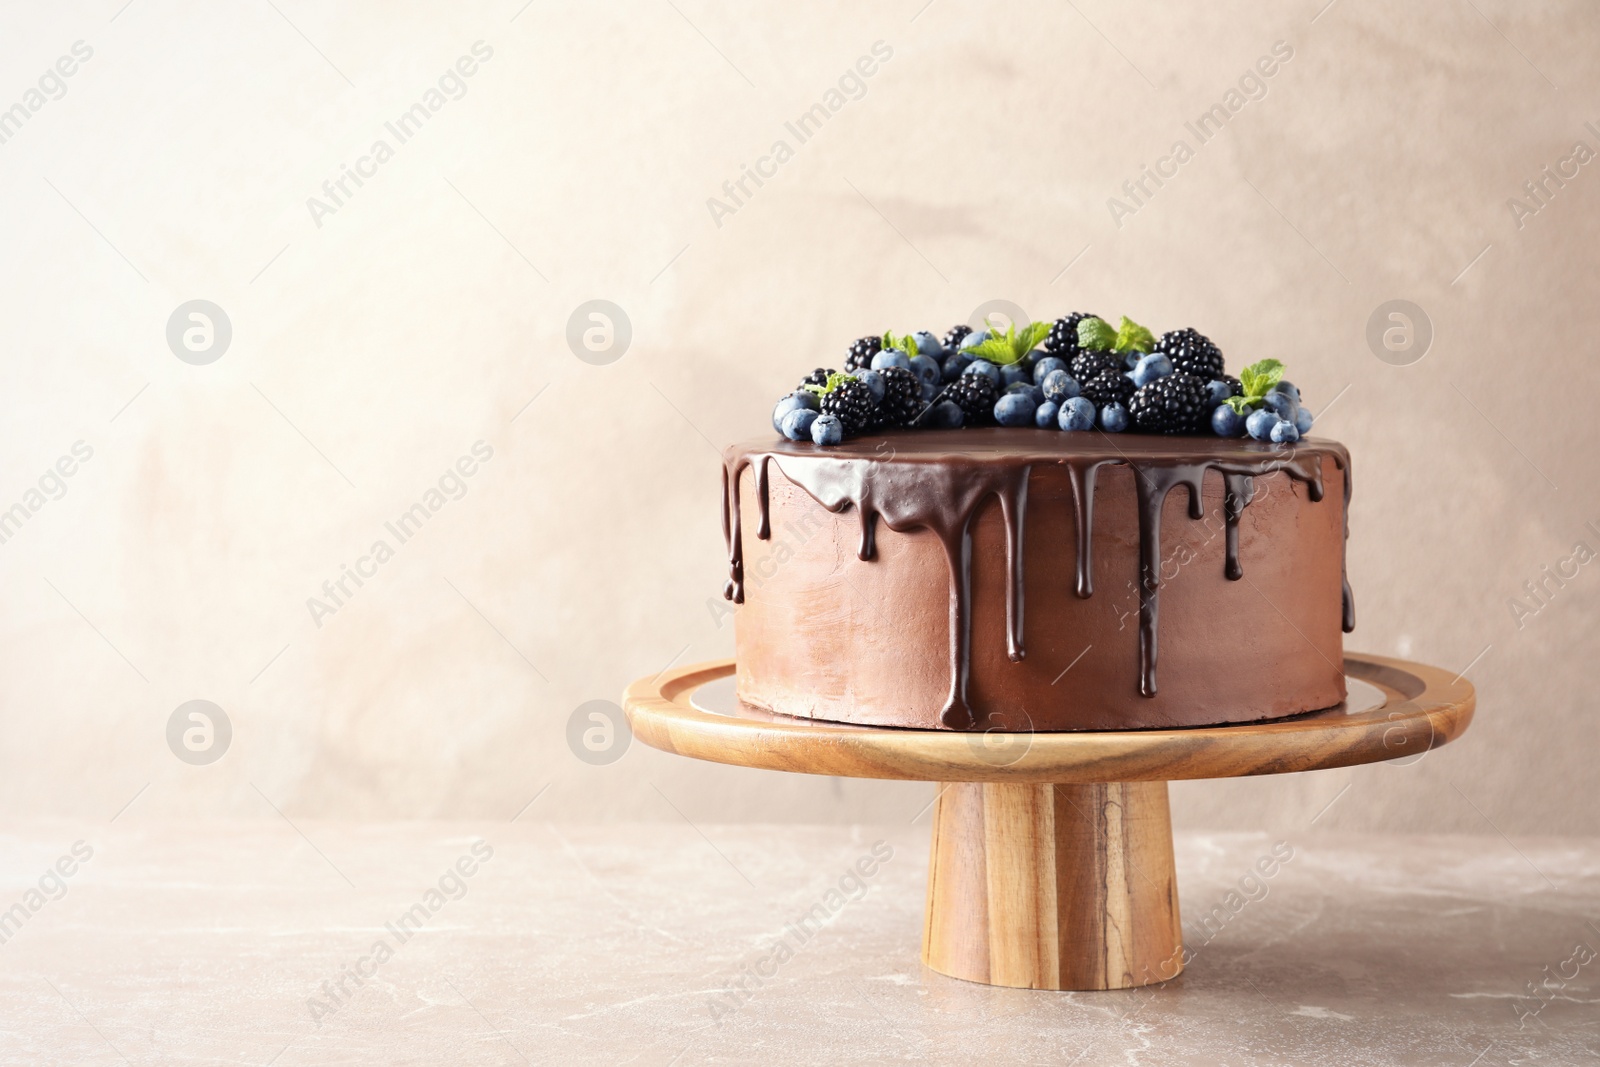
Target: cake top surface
point(978, 444)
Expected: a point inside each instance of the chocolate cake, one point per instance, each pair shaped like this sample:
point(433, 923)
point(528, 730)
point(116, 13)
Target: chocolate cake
point(994, 577)
point(1032, 575)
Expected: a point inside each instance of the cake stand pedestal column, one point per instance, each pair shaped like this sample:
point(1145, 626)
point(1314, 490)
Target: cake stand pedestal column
point(1052, 852)
point(1050, 886)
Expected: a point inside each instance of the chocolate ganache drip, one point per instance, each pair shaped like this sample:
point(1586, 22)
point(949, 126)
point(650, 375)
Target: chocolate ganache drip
point(937, 481)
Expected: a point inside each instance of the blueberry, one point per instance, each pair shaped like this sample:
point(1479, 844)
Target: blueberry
point(1149, 368)
point(1260, 423)
point(891, 357)
point(1131, 359)
point(927, 343)
point(1033, 392)
point(1217, 391)
point(1059, 386)
point(800, 398)
point(875, 384)
point(1113, 418)
point(1287, 387)
point(797, 424)
point(954, 365)
point(1284, 433)
point(1302, 420)
point(945, 415)
point(827, 430)
point(985, 368)
point(1031, 359)
point(1281, 404)
point(1012, 373)
point(976, 337)
point(1045, 416)
point(1014, 409)
point(1226, 422)
point(1077, 413)
point(926, 368)
point(1046, 365)
point(929, 391)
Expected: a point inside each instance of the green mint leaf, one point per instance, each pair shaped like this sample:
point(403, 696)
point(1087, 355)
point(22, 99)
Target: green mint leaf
point(1258, 378)
point(1034, 335)
point(1133, 337)
point(819, 390)
point(1242, 404)
point(1096, 334)
point(907, 344)
point(995, 350)
point(833, 381)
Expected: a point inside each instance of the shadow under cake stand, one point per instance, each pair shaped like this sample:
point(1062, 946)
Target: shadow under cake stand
point(1052, 864)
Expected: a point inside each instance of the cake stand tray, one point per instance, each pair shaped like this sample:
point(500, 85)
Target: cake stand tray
point(1052, 863)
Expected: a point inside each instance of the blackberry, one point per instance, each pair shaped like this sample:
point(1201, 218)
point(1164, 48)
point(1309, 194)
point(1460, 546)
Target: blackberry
point(861, 353)
point(851, 402)
point(1191, 352)
point(1175, 403)
point(1063, 339)
point(1088, 363)
point(816, 377)
point(902, 398)
point(975, 395)
point(1108, 386)
point(954, 337)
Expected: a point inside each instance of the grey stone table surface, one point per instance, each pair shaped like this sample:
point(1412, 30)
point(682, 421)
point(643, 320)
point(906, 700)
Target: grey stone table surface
point(526, 942)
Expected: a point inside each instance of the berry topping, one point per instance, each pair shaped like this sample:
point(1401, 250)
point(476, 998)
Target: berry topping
point(902, 398)
point(849, 400)
point(862, 351)
point(1191, 352)
point(1109, 386)
point(955, 335)
point(1174, 403)
point(827, 430)
point(1087, 363)
point(975, 395)
point(1063, 339)
point(1076, 414)
point(1077, 372)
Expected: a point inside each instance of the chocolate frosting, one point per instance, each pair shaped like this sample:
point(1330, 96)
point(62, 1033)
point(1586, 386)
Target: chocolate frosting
point(936, 480)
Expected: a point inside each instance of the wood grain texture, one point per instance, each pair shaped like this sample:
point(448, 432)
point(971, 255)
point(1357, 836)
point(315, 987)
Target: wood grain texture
point(1425, 707)
point(1053, 886)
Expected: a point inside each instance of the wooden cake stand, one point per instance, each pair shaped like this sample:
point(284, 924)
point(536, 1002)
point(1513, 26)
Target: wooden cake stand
point(1052, 852)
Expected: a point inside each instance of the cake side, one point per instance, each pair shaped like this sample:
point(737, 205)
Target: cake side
point(1162, 614)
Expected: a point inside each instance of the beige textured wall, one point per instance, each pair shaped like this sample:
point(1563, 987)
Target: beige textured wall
point(369, 352)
